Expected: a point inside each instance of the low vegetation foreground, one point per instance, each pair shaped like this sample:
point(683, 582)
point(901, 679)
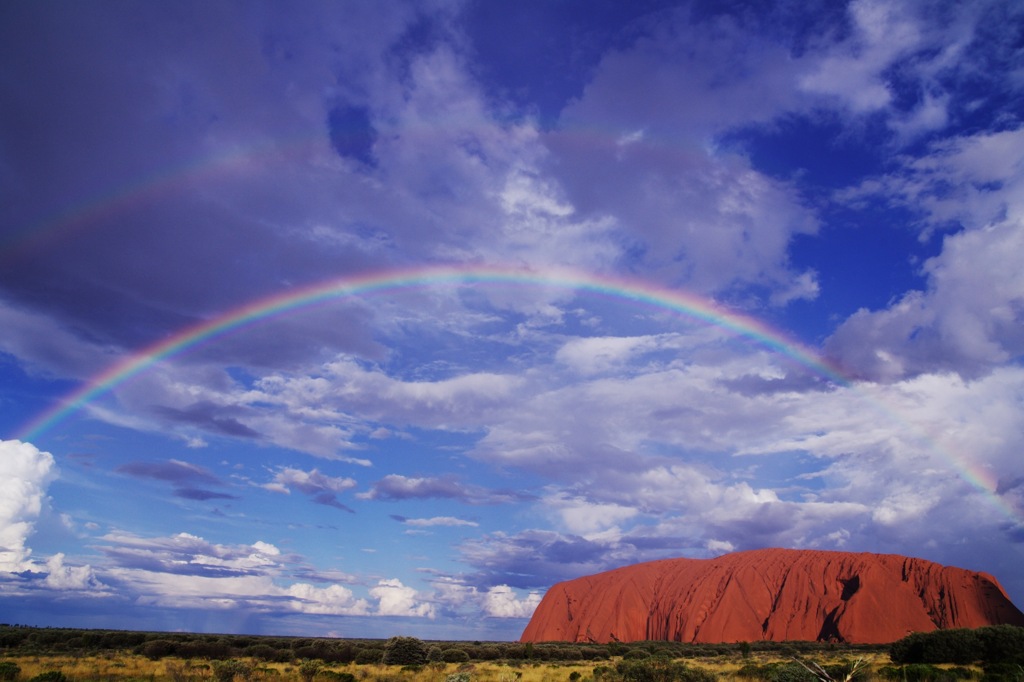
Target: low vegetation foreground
point(990, 654)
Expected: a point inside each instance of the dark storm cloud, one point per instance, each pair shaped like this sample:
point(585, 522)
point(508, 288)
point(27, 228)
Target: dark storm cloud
point(202, 495)
point(396, 487)
point(536, 558)
point(331, 500)
point(120, 215)
point(171, 471)
point(202, 415)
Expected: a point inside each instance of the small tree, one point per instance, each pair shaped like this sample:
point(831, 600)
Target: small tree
point(308, 670)
point(404, 651)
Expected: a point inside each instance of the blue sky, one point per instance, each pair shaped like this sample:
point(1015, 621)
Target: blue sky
point(844, 179)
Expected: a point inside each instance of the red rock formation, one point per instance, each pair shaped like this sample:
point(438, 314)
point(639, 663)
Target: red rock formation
point(771, 594)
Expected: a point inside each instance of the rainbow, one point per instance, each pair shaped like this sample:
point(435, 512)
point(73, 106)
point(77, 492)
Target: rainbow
point(261, 310)
point(396, 281)
point(239, 158)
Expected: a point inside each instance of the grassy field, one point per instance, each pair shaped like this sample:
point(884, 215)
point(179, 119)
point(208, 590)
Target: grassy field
point(988, 654)
point(127, 666)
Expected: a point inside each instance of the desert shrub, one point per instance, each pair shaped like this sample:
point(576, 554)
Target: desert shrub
point(226, 671)
point(204, 649)
point(661, 670)
point(155, 649)
point(635, 654)
point(777, 672)
point(924, 672)
point(335, 676)
point(847, 670)
point(1002, 643)
point(9, 670)
point(50, 676)
point(457, 677)
point(308, 670)
point(575, 676)
point(960, 646)
point(367, 656)
point(455, 656)
point(405, 651)
point(1003, 671)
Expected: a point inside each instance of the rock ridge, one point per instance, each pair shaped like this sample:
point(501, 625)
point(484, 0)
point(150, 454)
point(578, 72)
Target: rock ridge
point(771, 594)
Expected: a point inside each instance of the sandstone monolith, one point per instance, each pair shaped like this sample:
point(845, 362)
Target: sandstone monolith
point(771, 594)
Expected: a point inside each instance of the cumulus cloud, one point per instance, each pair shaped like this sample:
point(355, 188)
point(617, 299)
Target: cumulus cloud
point(334, 600)
point(501, 602)
point(969, 318)
point(25, 474)
point(321, 488)
point(396, 599)
point(60, 576)
point(690, 214)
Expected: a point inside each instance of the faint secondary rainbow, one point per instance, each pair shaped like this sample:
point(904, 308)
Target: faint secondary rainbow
point(396, 281)
point(267, 308)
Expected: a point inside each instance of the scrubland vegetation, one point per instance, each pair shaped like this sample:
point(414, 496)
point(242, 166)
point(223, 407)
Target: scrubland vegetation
point(993, 654)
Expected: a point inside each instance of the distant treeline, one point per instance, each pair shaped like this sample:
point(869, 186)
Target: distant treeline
point(16, 639)
point(997, 643)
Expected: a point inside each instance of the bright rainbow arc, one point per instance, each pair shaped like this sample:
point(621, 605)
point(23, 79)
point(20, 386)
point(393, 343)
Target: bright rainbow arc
point(268, 308)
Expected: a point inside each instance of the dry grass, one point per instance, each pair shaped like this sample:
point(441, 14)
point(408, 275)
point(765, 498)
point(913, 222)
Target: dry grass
point(126, 667)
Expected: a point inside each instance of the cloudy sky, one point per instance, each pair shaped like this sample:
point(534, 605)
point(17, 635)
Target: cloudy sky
point(375, 318)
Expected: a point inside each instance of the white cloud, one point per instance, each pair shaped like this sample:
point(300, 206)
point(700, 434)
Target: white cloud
point(596, 354)
point(501, 602)
point(60, 576)
point(25, 474)
point(720, 546)
point(588, 518)
point(969, 317)
point(440, 521)
point(334, 600)
point(396, 599)
point(882, 32)
point(307, 481)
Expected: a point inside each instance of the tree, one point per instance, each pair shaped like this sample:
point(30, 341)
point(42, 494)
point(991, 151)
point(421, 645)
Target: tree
point(404, 651)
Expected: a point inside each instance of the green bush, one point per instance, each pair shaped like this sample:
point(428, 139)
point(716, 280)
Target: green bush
point(335, 676)
point(405, 651)
point(226, 671)
point(636, 654)
point(1004, 671)
point(455, 656)
point(994, 643)
point(308, 670)
point(457, 677)
point(777, 672)
point(9, 670)
point(661, 670)
point(924, 672)
point(367, 656)
point(50, 676)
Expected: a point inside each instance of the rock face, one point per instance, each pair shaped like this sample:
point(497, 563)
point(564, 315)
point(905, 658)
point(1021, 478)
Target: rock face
point(771, 594)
